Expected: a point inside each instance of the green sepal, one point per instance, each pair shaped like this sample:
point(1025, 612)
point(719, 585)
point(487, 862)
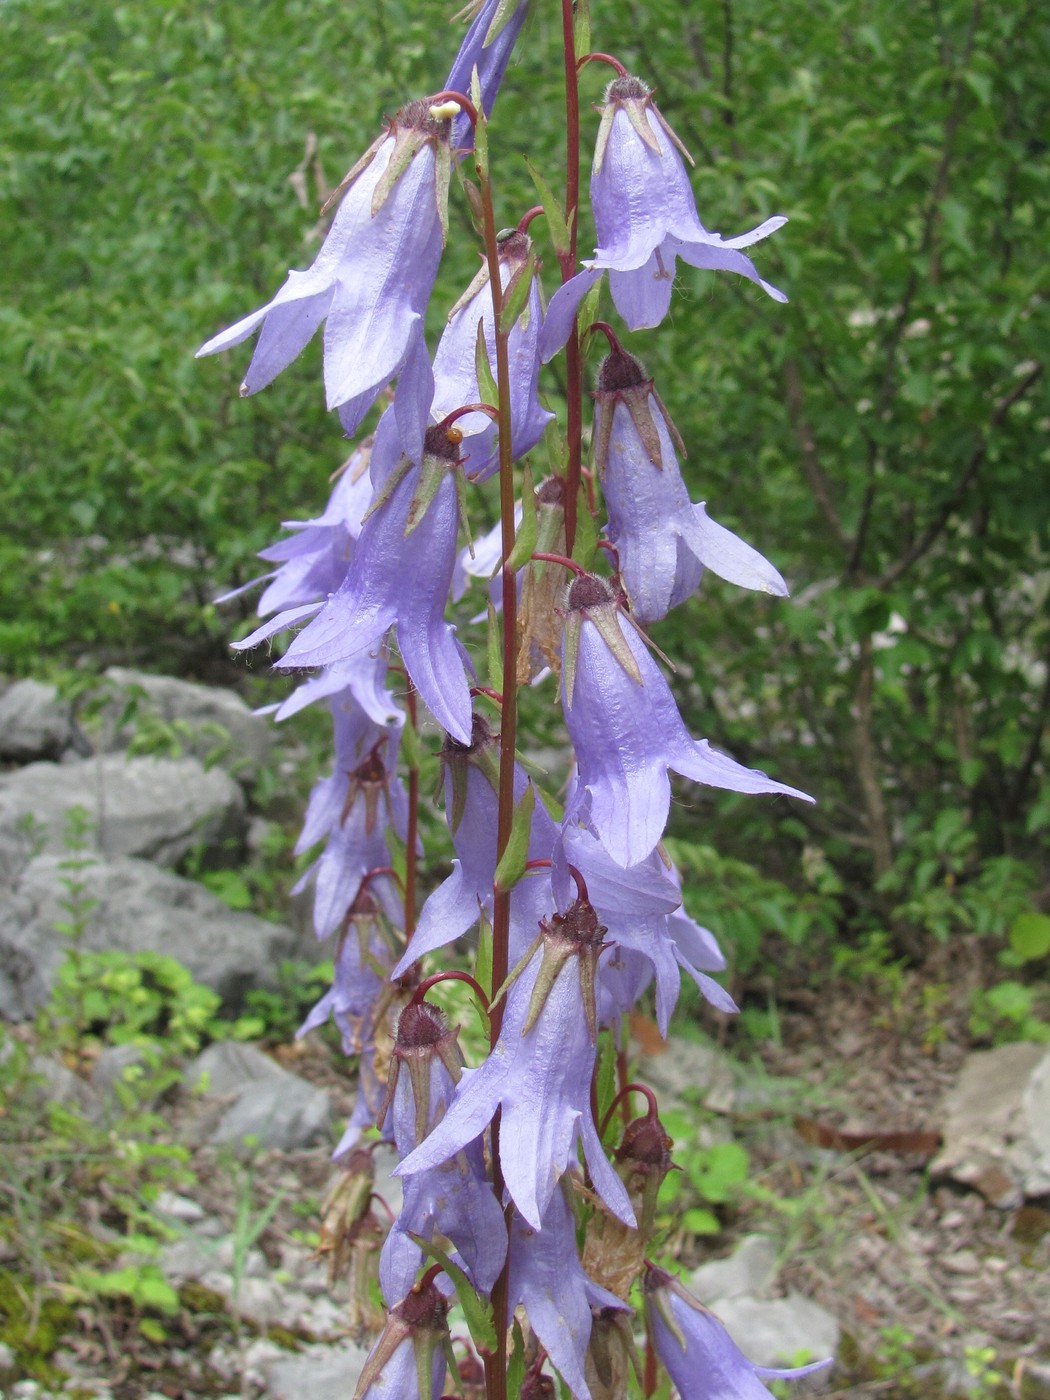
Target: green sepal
point(494, 650)
point(389, 486)
point(516, 297)
point(582, 27)
point(529, 529)
point(442, 181)
point(504, 10)
point(512, 862)
point(585, 546)
point(556, 222)
point(571, 654)
point(432, 473)
point(636, 114)
point(488, 390)
point(478, 1316)
point(481, 134)
point(607, 620)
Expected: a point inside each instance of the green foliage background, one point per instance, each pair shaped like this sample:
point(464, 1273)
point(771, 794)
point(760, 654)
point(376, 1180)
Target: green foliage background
point(882, 439)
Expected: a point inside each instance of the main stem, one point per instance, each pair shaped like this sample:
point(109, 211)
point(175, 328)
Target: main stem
point(496, 1364)
point(567, 260)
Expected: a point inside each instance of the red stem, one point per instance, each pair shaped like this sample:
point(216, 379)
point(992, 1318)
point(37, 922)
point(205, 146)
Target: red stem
point(561, 559)
point(453, 975)
point(573, 366)
point(597, 57)
point(450, 95)
point(412, 836)
point(528, 217)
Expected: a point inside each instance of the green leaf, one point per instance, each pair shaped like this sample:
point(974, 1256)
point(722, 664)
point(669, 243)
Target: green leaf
point(478, 1314)
point(585, 546)
point(481, 130)
point(516, 1362)
point(701, 1222)
point(529, 529)
point(487, 386)
point(517, 294)
point(512, 862)
point(556, 224)
point(494, 650)
point(1030, 936)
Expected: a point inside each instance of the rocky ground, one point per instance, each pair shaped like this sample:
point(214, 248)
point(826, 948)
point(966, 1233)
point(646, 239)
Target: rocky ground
point(897, 1205)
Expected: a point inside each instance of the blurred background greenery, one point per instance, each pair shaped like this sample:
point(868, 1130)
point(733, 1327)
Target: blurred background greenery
point(883, 439)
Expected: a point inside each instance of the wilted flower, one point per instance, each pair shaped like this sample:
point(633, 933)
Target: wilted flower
point(372, 278)
point(701, 1358)
point(539, 1075)
point(627, 732)
point(663, 541)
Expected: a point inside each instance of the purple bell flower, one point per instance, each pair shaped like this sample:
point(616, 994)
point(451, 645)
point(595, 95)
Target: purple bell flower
point(701, 1358)
point(408, 1360)
point(373, 276)
point(471, 806)
point(546, 1277)
point(486, 46)
point(645, 218)
point(647, 933)
point(663, 541)
point(399, 576)
point(539, 1076)
point(352, 810)
point(627, 732)
point(455, 372)
point(454, 1198)
point(362, 964)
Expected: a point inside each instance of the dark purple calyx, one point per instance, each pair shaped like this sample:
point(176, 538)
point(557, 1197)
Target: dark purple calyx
point(421, 1027)
point(619, 371)
point(370, 781)
point(579, 934)
point(588, 591)
point(482, 752)
point(627, 89)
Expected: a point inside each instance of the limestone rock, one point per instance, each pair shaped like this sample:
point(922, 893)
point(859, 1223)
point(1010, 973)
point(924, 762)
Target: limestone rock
point(205, 721)
point(316, 1370)
point(750, 1269)
point(133, 906)
point(997, 1124)
point(157, 808)
point(34, 722)
point(258, 1100)
point(781, 1332)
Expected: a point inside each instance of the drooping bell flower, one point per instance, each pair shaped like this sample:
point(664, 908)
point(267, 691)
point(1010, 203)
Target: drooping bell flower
point(408, 1361)
point(454, 1198)
point(486, 46)
point(455, 362)
point(645, 217)
point(352, 811)
point(701, 1358)
point(362, 967)
point(663, 541)
point(373, 276)
point(546, 1277)
point(399, 576)
point(312, 561)
point(539, 1076)
point(472, 811)
point(627, 732)
point(640, 907)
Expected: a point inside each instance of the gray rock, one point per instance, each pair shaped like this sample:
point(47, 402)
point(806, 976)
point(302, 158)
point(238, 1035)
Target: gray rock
point(779, 1332)
point(691, 1072)
point(131, 906)
point(266, 1103)
point(997, 1124)
point(110, 1069)
point(34, 722)
point(56, 1083)
point(205, 721)
point(157, 808)
point(750, 1269)
point(316, 1370)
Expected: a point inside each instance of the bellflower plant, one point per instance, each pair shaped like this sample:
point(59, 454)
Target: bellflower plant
point(525, 1198)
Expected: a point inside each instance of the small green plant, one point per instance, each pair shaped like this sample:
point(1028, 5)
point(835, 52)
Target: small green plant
point(712, 1174)
point(276, 1013)
point(1012, 1009)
